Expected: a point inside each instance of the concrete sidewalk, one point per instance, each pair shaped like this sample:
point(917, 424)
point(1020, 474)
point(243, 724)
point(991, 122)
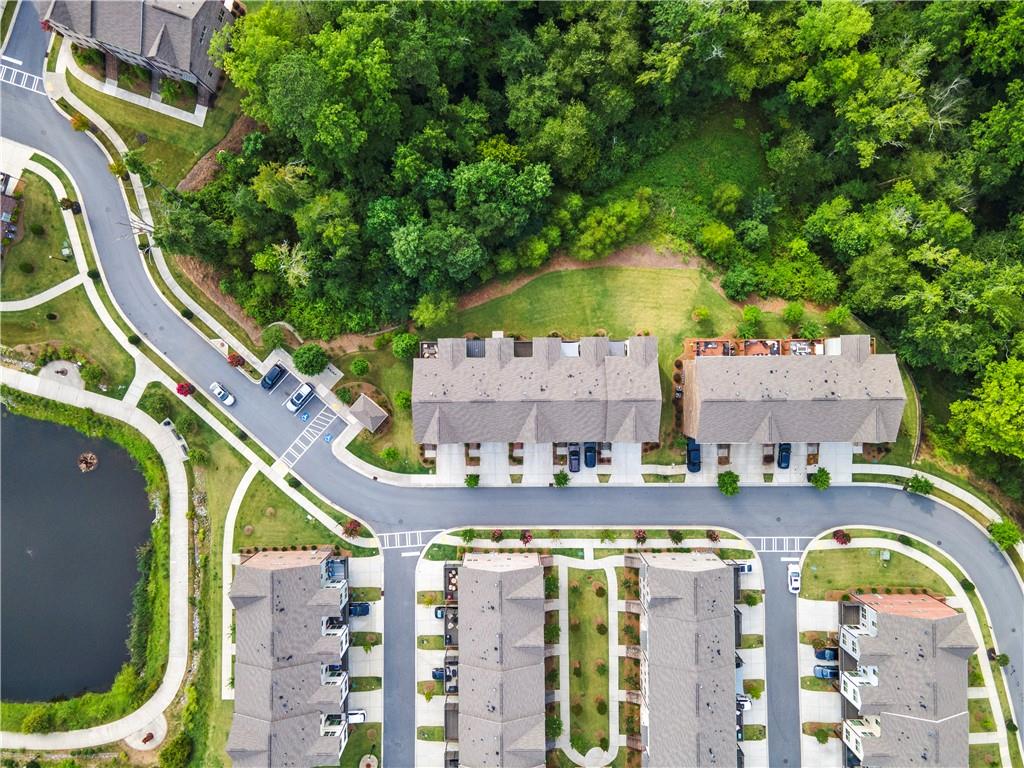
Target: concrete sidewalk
point(17, 305)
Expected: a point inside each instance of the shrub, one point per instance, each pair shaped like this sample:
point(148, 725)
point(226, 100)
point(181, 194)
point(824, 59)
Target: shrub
point(561, 479)
point(93, 274)
point(552, 727)
point(640, 536)
point(382, 340)
point(793, 314)
point(811, 329)
point(272, 337)
point(345, 395)
point(750, 325)
point(967, 584)
point(36, 229)
point(751, 599)
point(675, 536)
point(403, 400)
point(310, 359)
point(497, 535)
point(837, 316)
point(433, 309)
point(525, 536)
point(918, 484)
point(235, 360)
point(187, 313)
point(1005, 534)
point(717, 240)
point(822, 735)
point(185, 389)
point(599, 589)
point(729, 483)
point(577, 669)
point(1003, 660)
point(390, 455)
point(187, 423)
point(92, 374)
point(821, 479)
point(353, 529)
point(726, 198)
point(551, 585)
point(700, 314)
point(38, 720)
point(404, 345)
point(79, 122)
point(293, 481)
point(198, 456)
point(134, 340)
point(904, 540)
point(472, 481)
point(601, 706)
point(241, 434)
point(468, 535)
point(606, 227)
point(601, 627)
point(713, 535)
point(360, 366)
point(841, 537)
point(551, 633)
point(177, 752)
point(27, 267)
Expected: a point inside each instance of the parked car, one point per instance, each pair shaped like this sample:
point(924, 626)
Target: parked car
point(437, 673)
point(357, 716)
point(743, 703)
point(692, 455)
point(590, 455)
point(300, 397)
point(827, 654)
point(574, 457)
point(785, 449)
point(222, 394)
point(273, 377)
point(825, 672)
point(358, 609)
point(793, 577)
point(744, 567)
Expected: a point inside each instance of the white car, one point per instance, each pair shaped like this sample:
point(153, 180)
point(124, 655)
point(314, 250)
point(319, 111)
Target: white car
point(356, 716)
point(222, 394)
point(299, 397)
point(793, 577)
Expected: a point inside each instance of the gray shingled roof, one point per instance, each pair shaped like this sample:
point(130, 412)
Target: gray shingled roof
point(922, 687)
point(691, 682)
point(501, 661)
point(851, 397)
point(368, 413)
point(279, 603)
point(609, 392)
point(176, 33)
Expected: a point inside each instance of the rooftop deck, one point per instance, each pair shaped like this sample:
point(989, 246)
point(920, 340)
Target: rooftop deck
point(727, 347)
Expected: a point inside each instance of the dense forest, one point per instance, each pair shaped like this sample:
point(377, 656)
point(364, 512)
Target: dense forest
point(409, 151)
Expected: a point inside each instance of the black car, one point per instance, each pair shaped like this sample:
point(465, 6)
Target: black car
point(785, 449)
point(574, 457)
point(358, 609)
point(273, 376)
point(827, 654)
point(692, 455)
point(590, 455)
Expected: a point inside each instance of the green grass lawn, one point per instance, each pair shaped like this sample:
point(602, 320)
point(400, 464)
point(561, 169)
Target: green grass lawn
point(364, 594)
point(845, 570)
point(7, 18)
point(984, 756)
point(359, 684)
point(980, 712)
point(430, 643)
point(76, 324)
point(39, 253)
point(754, 732)
point(811, 683)
point(751, 641)
point(276, 520)
point(754, 688)
point(974, 677)
point(430, 733)
point(363, 739)
point(588, 646)
point(171, 145)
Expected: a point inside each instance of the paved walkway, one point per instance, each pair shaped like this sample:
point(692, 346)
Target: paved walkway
point(110, 87)
point(180, 623)
point(960, 599)
point(227, 613)
point(17, 305)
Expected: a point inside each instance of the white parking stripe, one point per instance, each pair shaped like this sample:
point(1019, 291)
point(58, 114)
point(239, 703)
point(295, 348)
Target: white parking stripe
point(13, 60)
point(317, 426)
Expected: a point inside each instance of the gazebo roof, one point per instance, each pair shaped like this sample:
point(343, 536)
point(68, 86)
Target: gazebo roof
point(368, 413)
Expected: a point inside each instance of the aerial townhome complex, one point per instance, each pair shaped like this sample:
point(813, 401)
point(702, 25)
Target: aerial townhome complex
point(786, 406)
point(689, 669)
point(532, 403)
point(903, 662)
point(291, 665)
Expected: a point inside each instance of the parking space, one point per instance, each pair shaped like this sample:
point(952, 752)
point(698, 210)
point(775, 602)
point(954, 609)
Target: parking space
point(537, 464)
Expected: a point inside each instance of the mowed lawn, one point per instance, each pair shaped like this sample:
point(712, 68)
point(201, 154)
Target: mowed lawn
point(587, 647)
point(34, 263)
point(171, 145)
point(845, 570)
point(276, 520)
point(77, 324)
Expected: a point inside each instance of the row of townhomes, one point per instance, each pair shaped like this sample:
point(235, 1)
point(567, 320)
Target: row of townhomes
point(753, 406)
point(291, 660)
point(690, 673)
point(903, 677)
point(171, 38)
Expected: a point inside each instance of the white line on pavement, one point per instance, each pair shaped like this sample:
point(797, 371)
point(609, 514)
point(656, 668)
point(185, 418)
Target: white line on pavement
point(13, 60)
point(790, 559)
point(414, 553)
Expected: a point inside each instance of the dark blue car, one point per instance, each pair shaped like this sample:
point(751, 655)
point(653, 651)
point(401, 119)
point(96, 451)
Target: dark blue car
point(273, 376)
point(827, 654)
point(692, 455)
point(785, 449)
point(358, 609)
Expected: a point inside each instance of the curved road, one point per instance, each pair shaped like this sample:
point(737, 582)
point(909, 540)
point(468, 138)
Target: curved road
point(29, 118)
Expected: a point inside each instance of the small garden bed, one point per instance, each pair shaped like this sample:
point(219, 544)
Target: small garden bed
point(980, 713)
point(588, 657)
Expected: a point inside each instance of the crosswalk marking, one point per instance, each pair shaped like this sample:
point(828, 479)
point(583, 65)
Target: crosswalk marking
point(403, 539)
point(308, 436)
point(21, 79)
point(779, 543)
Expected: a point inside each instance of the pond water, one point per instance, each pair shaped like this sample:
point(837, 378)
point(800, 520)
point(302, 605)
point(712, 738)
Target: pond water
point(67, 559)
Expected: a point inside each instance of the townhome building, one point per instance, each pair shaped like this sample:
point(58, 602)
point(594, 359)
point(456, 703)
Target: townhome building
point(903, 678)
point(291, 660)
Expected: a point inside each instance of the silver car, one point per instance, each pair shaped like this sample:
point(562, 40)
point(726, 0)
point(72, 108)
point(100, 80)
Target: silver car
point(300, 397)
point(222, 394)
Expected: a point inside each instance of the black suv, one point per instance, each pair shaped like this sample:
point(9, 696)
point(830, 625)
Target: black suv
point(574, 457)
point(273, 377)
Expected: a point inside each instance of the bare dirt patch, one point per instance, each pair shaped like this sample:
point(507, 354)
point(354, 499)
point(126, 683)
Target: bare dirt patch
point(206, 169)
point(207, 279)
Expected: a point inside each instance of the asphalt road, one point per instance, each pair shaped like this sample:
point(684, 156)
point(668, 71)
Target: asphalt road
point(29, 118)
